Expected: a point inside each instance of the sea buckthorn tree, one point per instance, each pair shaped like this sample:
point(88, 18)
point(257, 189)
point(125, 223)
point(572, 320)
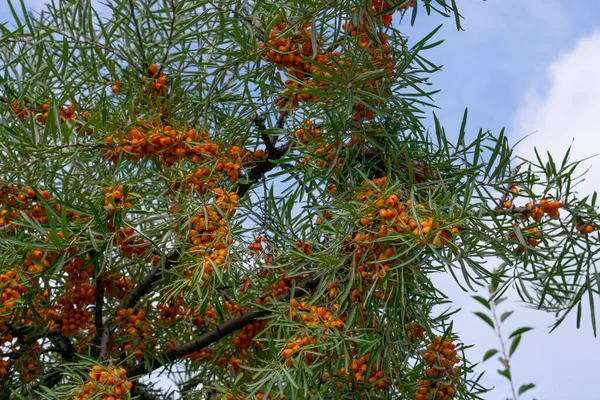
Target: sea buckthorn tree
point(243, 196)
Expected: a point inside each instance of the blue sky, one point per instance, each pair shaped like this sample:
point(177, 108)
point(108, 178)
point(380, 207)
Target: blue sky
point(528, 66)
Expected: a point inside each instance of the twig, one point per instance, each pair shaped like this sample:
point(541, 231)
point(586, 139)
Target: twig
point(139, 35)
point(189, 385)
point(99, 306)
point(504, 354)
point(141, 394)
point(171, 31)
point(91, 43)
point(258, 32)
point(258, 171)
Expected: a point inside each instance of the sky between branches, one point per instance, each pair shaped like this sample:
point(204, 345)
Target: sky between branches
point(529, 66)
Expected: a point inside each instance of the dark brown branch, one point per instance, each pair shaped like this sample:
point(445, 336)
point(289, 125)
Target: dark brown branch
point(141, 394)
point(261, 168)
point(173, 354)
point(192, 383)
point(99, 306)
point(139, 290)
point(267, 139)
point(30, 333)
point(138, 34)
point(171, 31)
point(280, 124)
point(68, 354)
point(143, 286)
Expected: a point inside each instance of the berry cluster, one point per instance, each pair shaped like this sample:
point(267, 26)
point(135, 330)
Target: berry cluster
point(537, 211)
point(11, 287)
point(150, 140)
point(441, 372)
point(159, 81)
point(29, 365)
point(303, 346)
point(245, 339)
point(15, 199)
point(116, 284)
point(358, 371)
point(256, 247)
point(209, 232)
point(170, 311)
point(377, 46)
point(105, 383)
point(69, 314)
point(135, 332)
point(397, 217)
point(294, 52)
point(309, 133)
point(113, 200)
point(132, 245)
point(415, 332)
point(584, 228)
point(311, 315)
point(65, 114)
point(380, 6)
point(229, 164)
point(529, 235)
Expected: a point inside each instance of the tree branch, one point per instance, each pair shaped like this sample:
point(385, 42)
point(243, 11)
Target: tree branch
point(99, 306)
point(173, 354)
point(138, 34)
point(267, 139)
point(141, 394)
point(258, 171)
point(171, 31)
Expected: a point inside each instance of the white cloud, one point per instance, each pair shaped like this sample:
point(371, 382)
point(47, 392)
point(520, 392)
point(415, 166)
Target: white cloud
point(567, 111)
point(562, 107)
point(563, 111)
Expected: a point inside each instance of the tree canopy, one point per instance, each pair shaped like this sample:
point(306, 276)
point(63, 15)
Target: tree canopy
point(244, 195)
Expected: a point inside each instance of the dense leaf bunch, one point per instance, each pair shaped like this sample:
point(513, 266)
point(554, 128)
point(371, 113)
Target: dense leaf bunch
point(244, 196)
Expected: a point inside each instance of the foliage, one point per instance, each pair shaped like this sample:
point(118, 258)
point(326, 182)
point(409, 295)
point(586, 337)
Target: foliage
point(490, 317)
point(243, 195)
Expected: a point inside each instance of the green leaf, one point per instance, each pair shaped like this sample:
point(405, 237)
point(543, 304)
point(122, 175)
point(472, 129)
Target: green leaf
point(505, 373)
point(525, 388)
point(514, 345)
point(485, 318)
point(483, 302)
point(519, 331)
point(505, 315)
point(489, 354)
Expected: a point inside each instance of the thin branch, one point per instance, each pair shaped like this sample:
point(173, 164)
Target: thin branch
point(171, 31)
point(104, 343)
point(173, 354)
point(90, 43)
point(139, 290)
point(258, 32)
point(267, 139)
point(258, 171)
point(280, 124)
point(141, 394)
point(503, 346)
point(68, 354)
point(192, 383)
point(138, 34)
point(99, 306)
